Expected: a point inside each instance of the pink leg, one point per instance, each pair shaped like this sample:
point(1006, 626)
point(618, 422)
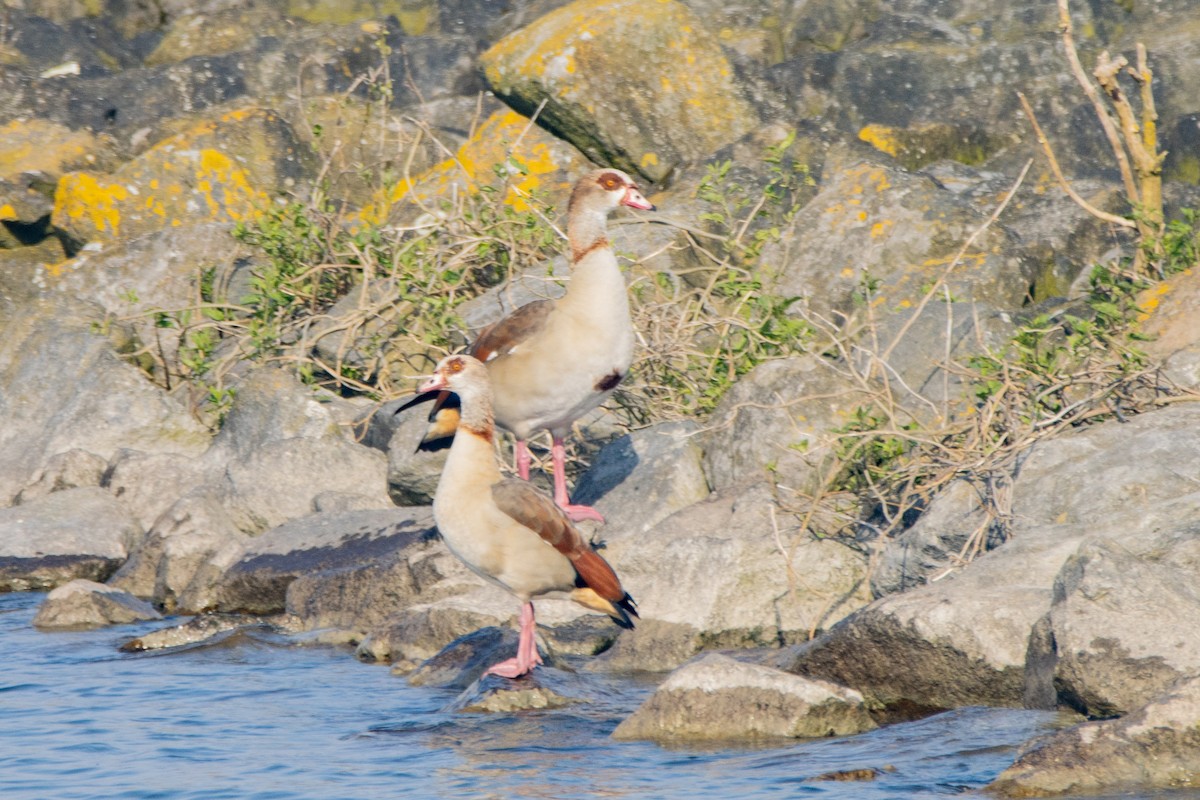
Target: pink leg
point(523, 459)
point(577, 513)
point(527, 654)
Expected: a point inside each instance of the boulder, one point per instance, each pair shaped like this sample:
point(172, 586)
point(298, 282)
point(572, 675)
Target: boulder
point(621, 81)
point(87, 604)
point(961, 641)
point(1154, 747)
point(222, 169)
point(281, 447)
point(898, 231)
point(717, 697)
point(62, 388)
point(463, 661)
point(1108, 650)
point(775, 422)
point(644, 477)
point(741, 572)
point(74, 533)
point(258, 582)
point(174, 563)
point(69, 470)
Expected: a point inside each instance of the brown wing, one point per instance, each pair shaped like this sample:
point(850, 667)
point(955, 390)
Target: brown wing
point(536, 511)
point(502, 336)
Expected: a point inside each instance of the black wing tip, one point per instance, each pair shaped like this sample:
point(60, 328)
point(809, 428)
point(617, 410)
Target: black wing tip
point(627, 608)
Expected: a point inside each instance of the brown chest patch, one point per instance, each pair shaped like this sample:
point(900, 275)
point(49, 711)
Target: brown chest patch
point(609, 381)
point(578, 254)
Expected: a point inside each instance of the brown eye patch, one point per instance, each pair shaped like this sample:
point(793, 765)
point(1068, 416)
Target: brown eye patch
point(456, 365)
point(610, 181)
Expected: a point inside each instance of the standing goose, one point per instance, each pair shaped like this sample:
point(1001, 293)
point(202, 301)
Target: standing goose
point(550, 361)
point(506, 530)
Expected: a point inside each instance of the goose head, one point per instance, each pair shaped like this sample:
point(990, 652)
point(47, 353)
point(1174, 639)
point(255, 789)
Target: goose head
point(604, 190)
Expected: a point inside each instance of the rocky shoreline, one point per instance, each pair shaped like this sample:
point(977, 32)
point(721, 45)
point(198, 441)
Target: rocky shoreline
point(134, 141)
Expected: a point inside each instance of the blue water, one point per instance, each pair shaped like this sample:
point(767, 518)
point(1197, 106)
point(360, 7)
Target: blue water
point(260, 717)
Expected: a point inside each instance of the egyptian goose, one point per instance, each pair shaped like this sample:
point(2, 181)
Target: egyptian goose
point(507, 530)
point(550, 361)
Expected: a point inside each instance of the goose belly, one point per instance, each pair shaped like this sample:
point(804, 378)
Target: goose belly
point(552, 391)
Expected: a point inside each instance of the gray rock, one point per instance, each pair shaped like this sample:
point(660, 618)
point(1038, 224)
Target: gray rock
point(717, 574)
point(1155, 746)
point(960, 641)
point(370, 593)
point(63, 388)
point(87, 604)
point(422, 630)
point(74, 533)
point(134, 279)
point(593, 53)
point(1118, 631)
point(68, 470)
point(934, 546)
point(463, 661)
point(543, 689)
point(774, 421)
point(257, 583)
point(280, 448)
point(174, 563)
point(1142, 468)
point(412, 475)
point(644, 477)
point(718, 697)
point(149, 484)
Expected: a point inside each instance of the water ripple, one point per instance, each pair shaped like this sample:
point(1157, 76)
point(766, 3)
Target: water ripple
point(257, 718)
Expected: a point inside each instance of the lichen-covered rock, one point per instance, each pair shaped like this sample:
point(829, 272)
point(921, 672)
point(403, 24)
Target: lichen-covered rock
point(75, 533)
point(505, 139)
point(221, 170)
point(49, 149)
point(899, 231)
point(641, 86)
point(87, 604)
point(717, 697)
point(222, 30)
point(1155, 746)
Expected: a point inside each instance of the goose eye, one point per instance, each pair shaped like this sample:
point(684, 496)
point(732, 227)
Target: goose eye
point(610, 181)
point(456, 365)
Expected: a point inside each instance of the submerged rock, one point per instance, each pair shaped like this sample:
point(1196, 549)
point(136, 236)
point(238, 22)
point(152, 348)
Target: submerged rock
point(544, 688)
point(718, 697)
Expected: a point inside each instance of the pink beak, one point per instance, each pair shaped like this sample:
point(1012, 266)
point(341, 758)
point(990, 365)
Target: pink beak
point(433, 383)
point(633, 198)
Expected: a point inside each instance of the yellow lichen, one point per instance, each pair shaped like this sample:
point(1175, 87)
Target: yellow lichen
point(882, 138)
point(81, 196)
